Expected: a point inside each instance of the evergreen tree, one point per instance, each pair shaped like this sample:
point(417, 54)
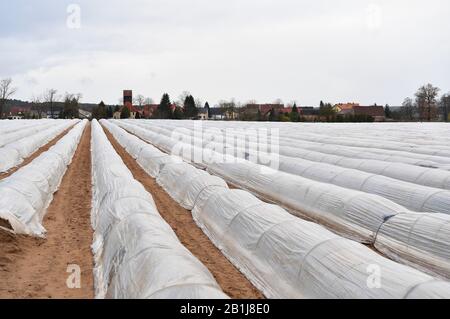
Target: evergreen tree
point(294, 116)
point(109, 112)
point(70, 107)
point(190, 110)
point(178, 113)
point(387, 111)
point(164, 111)
point(207, 108)
point(272, 115)
point(99, 112)
point(125, 113)
point(259, 116)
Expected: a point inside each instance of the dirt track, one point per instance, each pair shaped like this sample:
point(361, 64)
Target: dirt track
point(233, 282)
point(37, 268)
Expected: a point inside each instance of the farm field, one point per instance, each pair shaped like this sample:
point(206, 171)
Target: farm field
point(211, 209)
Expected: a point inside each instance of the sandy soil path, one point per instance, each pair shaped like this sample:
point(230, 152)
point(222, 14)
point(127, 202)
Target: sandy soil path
point(41, 150)
point(37, 268)
point(232, 281)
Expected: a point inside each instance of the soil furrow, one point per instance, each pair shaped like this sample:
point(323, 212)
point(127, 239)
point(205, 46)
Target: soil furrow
point(38, 268)
point(232, 281)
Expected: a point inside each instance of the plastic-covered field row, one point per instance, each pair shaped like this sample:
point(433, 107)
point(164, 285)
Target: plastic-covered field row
point(339, 137)
point(14, 153)
point(418, 239)
point(6, 138)
point(11, 126)
point(415, 197)
point(289, 146)
point(410, 135)
point(137, 254)
point(284, 256)
point(431, 177)
point(26, 194)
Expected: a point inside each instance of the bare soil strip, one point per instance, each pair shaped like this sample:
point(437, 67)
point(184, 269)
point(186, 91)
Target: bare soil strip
point(232, 281)
point(29, 159)
point(37, 268)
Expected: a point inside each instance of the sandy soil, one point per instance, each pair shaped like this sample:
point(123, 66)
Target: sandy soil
point(233, 282)
point(41, 150)
point(37, 268)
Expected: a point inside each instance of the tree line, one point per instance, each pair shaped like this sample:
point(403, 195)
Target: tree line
point(64, 106)
point(426, 105)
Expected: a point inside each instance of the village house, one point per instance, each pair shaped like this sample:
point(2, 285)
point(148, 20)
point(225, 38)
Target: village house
point(133, 111)
point(309, 113)
point(216, 113)
point(203, 114)
point(375, 111)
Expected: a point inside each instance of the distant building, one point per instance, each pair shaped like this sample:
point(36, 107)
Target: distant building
point(354, 109)
point(84, 114)
point(264, 109)
point(18, 112)
point(128, 103)
point(216, 113)
point(203, 114)
point(133, 111)
point(309, 113)
point(53, 115)
point(127, 96)
point(343, 107)
point(377, 112)
point(149, 110)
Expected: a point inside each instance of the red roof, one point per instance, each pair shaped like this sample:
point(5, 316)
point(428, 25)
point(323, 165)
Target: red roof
point(16, 110)
point(285, 110)
point(149, 109)
point(266, 108)
point(369, 110)
point(131, 107)
point(347, 106)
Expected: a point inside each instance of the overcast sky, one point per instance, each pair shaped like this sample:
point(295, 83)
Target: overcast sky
point(333, 50)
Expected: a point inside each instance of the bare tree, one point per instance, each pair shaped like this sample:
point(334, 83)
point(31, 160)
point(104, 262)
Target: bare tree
point(49, 99)
point(149, 101)
point(183, 97)
point(199, 103)
point(37, 105)
point(6, 91)
point(139, 100)
point(408, 109)
point(426, 101)
point(71, 105)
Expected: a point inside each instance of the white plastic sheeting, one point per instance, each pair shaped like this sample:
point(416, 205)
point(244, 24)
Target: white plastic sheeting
point(421, 240)
point(14, 153)
point(11, 126)
point(293, 136)
point(412, 196)
point(425, 176)
point(355, 215)
point(6, 138)
point(26, 194)
point(287, 257)
point(413, 172)
point(136, 252)
point(415, 197)
point(147, 156)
